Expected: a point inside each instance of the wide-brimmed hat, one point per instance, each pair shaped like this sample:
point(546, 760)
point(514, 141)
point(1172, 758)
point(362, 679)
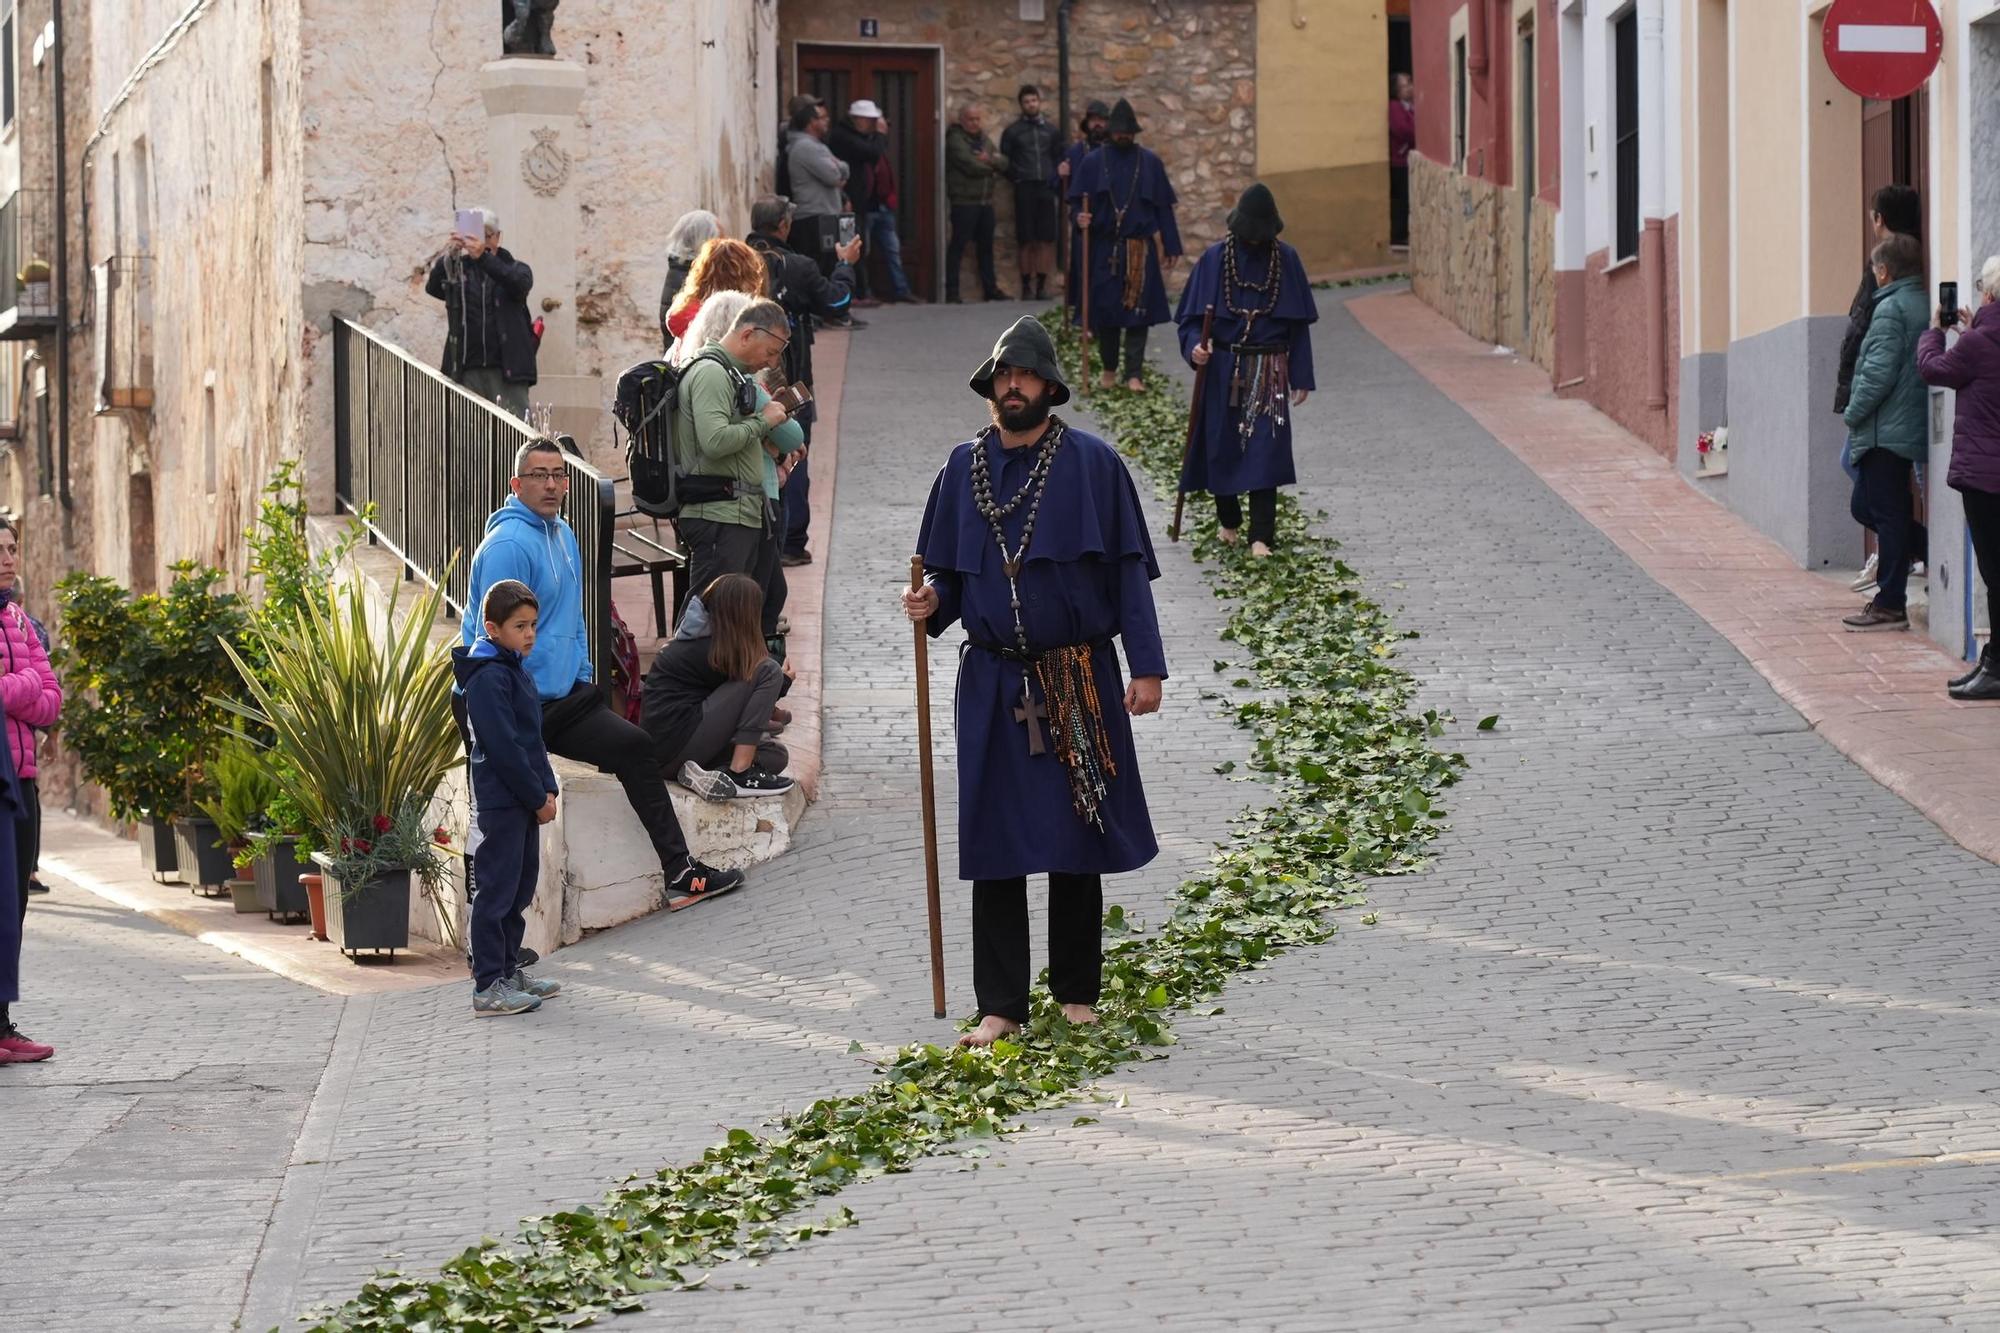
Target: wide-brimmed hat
point(1255, 220)
point(1123, 119)
point(1026, 346)
point(863, 110)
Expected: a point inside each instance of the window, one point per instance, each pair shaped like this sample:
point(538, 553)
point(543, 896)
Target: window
point(7, 69)
point(266, 96)
point(1625, 131)
point(208, 450)
point(1458, 92)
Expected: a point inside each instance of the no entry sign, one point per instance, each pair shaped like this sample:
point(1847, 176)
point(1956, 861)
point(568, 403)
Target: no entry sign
point(1883, 49)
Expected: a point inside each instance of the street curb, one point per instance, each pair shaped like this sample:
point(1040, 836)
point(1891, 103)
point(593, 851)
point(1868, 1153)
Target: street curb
point(270, 1293)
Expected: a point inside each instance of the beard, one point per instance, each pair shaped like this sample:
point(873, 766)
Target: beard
point(1015, 414)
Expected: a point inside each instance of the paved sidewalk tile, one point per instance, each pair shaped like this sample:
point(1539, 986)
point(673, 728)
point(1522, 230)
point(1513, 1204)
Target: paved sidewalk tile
point(1879, 698)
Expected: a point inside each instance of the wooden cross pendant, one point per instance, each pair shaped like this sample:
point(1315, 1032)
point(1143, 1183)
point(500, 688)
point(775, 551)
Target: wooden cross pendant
point(1030, 712)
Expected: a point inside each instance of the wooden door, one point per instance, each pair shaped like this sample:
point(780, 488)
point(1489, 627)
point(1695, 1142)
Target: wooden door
point(903, 81)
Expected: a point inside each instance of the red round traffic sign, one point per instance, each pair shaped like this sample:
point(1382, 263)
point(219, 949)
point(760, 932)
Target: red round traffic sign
point(1883, 49)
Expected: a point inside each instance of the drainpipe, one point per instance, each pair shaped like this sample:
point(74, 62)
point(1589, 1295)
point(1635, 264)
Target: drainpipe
point(1475, 38)
point(1653, 194)
point(62, 268)
point(1062, 114)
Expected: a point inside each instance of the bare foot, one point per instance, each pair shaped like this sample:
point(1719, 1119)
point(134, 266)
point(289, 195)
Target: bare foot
point(1107, 380)
point(991, 1029)
point(1229, 536)
point(1080, 1014)
point(1261, 551)
point(1136, 385)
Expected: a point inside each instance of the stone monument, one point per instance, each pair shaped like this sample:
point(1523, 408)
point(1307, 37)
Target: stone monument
point(527, 27)
point(532, 142)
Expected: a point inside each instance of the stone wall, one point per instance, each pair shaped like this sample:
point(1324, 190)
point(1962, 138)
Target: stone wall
point(1454, 225)
point(1191, 78)
point(679, 113)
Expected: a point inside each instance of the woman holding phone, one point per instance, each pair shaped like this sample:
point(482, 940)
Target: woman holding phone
point(1971, 366)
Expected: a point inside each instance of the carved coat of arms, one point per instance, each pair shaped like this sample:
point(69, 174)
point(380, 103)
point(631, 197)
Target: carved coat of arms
point(544, 164)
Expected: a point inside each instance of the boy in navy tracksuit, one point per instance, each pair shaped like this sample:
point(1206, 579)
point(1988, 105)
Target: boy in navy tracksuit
point(513, 795)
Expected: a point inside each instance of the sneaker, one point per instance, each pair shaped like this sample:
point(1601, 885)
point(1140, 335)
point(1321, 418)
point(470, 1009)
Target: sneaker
point(697, 878)
point(501, 998)
point(539, 987)
point(793, 559)
point(710, 786)
point(756, 781)
point(1865, 580)
point(1873, 617)
point(1916, 569)
point(17, 1049)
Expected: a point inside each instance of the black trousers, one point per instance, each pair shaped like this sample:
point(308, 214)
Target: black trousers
point(1263, 515)
point(506, 865)
point(1134, 359)
point(715, 549)
point(27, 840)
point(1000, 971)
point(1399, 205)
point(1882, 501)
point(970, 224)
point(1982, 524)
point(581, 726)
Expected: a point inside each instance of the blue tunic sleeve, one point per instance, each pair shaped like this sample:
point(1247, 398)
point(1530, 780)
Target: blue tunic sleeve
point(1138, 624)
point(1199, 293)
point(1299, 366)
point(1164, 200)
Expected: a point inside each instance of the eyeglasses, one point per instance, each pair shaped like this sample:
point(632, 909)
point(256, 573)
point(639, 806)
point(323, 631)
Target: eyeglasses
point(546, 477)
point(782, 342)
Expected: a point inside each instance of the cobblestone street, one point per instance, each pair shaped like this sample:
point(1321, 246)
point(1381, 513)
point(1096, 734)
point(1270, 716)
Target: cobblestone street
point(1685, 1027)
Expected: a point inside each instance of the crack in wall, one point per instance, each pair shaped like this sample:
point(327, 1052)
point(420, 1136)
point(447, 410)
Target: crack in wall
point(430, 123)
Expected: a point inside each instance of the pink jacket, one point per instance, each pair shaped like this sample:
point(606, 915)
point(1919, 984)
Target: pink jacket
point(29, 691)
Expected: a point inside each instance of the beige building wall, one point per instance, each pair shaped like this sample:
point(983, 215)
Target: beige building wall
point(1766, 60)
point(1323, 99)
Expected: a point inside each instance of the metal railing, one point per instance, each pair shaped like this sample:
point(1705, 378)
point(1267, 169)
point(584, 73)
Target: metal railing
point(434, 460)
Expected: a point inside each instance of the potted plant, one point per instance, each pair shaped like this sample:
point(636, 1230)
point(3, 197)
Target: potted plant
point(142, 715)
point(217, 843)
point(278, 852)
point(360, 735)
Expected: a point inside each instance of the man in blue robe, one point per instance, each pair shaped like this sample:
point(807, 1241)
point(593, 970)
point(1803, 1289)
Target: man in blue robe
point(1258, 365)
point(1034, 541)
point(1095, 117)
point(1126, 204)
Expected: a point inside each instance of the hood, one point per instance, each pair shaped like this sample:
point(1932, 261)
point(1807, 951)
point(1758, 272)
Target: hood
point(1123, 119)
point(694, 620)
point(483, 653)
point(1255, 219)
point(1888, 289)
point(1026, 345)
point(516, 512)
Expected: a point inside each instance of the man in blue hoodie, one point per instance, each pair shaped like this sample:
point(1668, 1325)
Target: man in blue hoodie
point(528, 541)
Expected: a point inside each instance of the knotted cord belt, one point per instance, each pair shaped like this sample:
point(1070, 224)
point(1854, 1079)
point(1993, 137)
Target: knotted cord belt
point(1075, 713)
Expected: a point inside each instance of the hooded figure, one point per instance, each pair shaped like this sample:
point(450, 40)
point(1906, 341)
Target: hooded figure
point(1092, 137)
point(1034, 540)
point(1258, 364)
point(1133, 240)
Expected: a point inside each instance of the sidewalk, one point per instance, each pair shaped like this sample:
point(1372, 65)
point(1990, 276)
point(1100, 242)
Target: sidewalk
point(1878, 698)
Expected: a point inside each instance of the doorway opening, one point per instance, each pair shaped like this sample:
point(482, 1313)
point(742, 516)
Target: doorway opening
point(1894, 137)
point(1400, 58)
point(904, 82)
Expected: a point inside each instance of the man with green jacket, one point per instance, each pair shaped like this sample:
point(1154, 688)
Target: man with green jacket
point(720, 440)
point(971, 165)
point(1888, 427)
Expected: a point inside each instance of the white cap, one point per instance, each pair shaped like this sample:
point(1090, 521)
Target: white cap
point(864, 109)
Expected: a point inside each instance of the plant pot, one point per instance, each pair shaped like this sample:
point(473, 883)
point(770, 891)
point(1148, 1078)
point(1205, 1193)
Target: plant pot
point(204, 866)
point(315, 893)
point(374, 916)
point(158, 850)
point(276, 874)
point(243, 894)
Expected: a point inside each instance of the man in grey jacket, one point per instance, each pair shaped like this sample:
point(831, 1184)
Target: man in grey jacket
point(816, 177)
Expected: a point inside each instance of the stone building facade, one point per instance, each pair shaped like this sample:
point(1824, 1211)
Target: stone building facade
point(240, 171)
point(1191, 76)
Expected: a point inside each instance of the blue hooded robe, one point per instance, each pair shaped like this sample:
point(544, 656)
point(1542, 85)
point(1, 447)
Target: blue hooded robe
point(1087, 578)
point(1222, 461)
point(1134, 178)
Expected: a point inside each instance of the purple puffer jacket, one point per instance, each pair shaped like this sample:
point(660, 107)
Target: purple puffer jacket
point(1971, 366)
point(29, 690)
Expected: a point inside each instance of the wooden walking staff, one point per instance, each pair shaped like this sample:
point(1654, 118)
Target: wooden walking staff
point(1083, 326)
point(1194, 420)
point(930, 796)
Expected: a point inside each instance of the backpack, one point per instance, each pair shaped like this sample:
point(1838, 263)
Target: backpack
point(646, 405)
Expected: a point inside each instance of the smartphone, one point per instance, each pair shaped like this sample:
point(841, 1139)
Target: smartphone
point(467, 224)
point(1948, 303)
point(846, 228)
